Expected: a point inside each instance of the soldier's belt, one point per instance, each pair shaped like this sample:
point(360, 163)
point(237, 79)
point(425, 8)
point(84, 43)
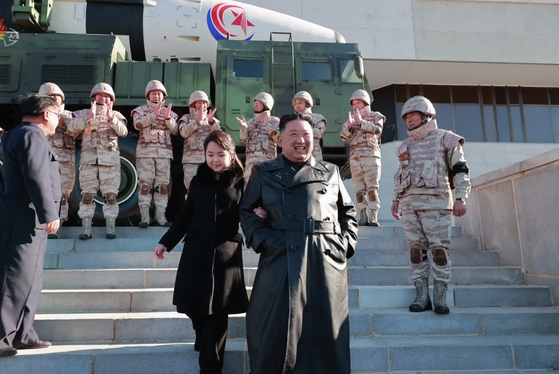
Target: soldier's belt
point(307, 226)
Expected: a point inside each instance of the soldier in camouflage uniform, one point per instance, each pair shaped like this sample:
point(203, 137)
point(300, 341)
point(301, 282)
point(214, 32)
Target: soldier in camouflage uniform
point(64, 145)
point(430, 160)
point(194, 128)
point(154, 153)
point(363, 130)
point(100, 157)
point(260, 133)
point(302, 104)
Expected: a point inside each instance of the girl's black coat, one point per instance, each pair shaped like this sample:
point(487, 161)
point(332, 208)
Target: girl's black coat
point(210, 275)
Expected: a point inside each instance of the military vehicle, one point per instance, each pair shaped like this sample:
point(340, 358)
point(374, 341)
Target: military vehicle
point(232, 74)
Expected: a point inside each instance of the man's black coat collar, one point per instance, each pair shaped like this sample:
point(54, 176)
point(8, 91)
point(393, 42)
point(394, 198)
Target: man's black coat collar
point(280, 171)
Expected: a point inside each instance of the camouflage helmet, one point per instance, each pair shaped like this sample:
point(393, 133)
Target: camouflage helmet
point(103, 88)
point(155, 85)
point(51, 89)
point(361, 95)
point(305, 96)
point(266, 99)
point(197, 96)
point(419, 104)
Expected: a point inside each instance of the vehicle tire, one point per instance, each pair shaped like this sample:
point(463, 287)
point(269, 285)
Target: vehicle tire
point(129, 213)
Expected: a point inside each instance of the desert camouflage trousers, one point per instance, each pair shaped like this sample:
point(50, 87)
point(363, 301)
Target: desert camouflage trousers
point(93, 178)
point(250, 162)
point(189, 171)
point(68, 179)
point(365, 172)
point(428, 230)
point(154, 176)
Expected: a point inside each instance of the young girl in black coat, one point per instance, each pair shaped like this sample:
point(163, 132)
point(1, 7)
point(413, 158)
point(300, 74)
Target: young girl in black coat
point(210, 282)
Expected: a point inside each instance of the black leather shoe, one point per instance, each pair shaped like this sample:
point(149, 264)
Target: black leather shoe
point(8, 352)
point(37, 344)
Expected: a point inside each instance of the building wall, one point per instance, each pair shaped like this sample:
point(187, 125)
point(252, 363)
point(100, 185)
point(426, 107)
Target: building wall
point(447, 30)
point(513, 211)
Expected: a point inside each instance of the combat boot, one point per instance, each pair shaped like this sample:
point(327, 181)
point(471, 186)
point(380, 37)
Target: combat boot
point(110, 228)
point(86, 226)
point(439, 296)
point(144, 212)
point(161, 219)
point(373, 217)
point(422, 300)
point(363, 218)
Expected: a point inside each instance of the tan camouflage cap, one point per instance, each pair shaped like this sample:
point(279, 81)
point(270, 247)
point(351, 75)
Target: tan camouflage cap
point(102, 88)
point(197, 96)
point(305, 96)
point(419, 104)
point(155, 85)
point(361, 95)
point(51, 89)
point(266, 99)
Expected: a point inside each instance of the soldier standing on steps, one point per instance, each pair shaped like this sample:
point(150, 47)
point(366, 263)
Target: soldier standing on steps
point(154, 153)
point(260, 133)
point(64, 145)
point(363, 130)
point(430, 160)
point(303, 104)
point(100, 156)
point(194, 128)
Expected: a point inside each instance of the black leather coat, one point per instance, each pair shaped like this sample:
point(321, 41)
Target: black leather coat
point(298, 318)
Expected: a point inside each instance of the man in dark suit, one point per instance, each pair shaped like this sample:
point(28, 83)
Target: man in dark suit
point(29, 206)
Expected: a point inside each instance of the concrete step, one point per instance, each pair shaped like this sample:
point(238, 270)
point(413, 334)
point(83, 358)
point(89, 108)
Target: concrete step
point(399, 244)
point(160, 299)
point(171, 326)
point(148, 358)
point(409, 354)
point(389, 275)
point(358, 275)
point(402, 258)
point(457, 296)
point(72, 232)
point(455, 353)
point(145, 259)
point(398, 232)
point(148, 244)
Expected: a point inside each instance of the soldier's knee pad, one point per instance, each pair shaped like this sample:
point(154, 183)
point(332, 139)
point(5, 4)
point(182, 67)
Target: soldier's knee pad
point(163, 189)
point(416, 256)
point(439, 255)
point(87, 198)
point(145, 189)
point(360, 197)
point(110, 198)
point(373, 196)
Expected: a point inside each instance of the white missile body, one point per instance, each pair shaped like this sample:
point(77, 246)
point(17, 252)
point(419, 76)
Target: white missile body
point(189, 29)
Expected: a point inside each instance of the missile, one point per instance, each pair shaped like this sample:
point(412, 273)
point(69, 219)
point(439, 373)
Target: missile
point(187, 30)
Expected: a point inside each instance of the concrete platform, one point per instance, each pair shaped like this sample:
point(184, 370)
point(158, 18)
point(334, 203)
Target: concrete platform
point(502, 354)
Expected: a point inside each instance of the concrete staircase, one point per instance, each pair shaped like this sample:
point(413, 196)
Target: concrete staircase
point(106, 305)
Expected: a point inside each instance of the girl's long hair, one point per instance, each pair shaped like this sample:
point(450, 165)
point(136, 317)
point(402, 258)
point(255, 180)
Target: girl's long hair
point(225, 141)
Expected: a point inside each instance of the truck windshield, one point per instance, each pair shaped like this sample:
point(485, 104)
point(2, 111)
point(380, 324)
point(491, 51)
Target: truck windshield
point(316, 71)
point(347, 69)
point(248, 68)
